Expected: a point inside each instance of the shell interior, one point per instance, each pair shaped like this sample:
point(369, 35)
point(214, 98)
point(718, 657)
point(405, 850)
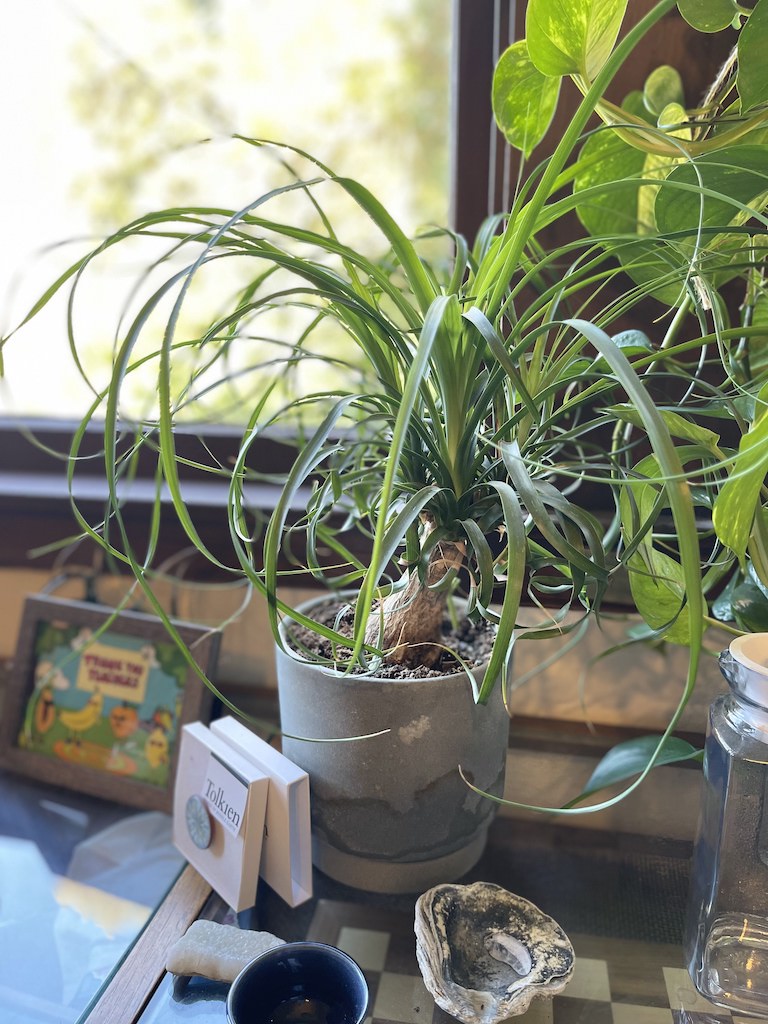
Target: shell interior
point(484, 953)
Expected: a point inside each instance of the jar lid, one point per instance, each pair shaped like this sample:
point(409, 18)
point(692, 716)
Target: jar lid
point(751, 653)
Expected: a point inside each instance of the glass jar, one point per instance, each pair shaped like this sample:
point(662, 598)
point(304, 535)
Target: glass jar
point(726, 940)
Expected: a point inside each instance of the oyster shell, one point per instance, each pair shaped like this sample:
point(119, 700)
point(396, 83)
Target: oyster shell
point(484, 953)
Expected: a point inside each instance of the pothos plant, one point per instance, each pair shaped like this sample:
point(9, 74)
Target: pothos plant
point(686, 185)
point(498, 382)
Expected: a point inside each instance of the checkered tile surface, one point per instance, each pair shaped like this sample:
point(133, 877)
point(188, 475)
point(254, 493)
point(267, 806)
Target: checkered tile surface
point(615, 981)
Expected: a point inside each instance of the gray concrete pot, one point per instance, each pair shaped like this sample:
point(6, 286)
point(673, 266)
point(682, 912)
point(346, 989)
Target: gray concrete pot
point(391, 813)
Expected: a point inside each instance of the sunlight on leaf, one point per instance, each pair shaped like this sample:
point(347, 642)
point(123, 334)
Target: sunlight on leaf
point(677, 425)
point(524, 99)
point(662, 87)
point(735, 505)
point(572, 37)
point(672, 120)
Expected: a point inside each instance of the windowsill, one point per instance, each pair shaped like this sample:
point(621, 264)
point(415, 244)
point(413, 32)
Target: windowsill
point(36, 503)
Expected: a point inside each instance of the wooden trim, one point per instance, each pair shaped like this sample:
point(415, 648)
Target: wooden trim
point(37, 525)
point(475, 142)
point(133, 984)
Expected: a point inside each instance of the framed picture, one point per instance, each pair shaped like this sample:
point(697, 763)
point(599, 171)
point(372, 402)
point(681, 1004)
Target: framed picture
point(98, 705)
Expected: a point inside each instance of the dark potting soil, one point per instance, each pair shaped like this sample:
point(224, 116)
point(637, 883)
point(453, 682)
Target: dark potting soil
point(471, 641)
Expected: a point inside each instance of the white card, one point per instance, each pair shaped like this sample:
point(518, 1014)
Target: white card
point(225, 794)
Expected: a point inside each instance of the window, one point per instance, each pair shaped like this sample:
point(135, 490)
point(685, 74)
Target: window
point(123, 101)
point(115, 98)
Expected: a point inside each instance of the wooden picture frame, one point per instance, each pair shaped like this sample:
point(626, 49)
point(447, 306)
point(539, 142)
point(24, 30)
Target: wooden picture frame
point(96, 700)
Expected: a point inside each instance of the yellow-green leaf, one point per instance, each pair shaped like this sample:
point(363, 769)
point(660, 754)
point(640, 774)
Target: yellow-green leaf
point(677, 425)
point(659, 595)
point(734, 510)
point(662, 87)
point(656, 579)
point(572, 37)
point(524, 100)
point(672, 119)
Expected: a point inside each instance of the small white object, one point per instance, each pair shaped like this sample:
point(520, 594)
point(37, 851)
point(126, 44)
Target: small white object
point(751, 652)
point(217, 951)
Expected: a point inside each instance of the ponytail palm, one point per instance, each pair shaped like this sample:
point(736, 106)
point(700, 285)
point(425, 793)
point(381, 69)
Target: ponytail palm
point(481, 414)
point(498, 432)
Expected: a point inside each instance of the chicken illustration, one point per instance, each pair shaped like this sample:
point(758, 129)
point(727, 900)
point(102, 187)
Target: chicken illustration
point(76, 722)
point(163, 719)
point(156, 748)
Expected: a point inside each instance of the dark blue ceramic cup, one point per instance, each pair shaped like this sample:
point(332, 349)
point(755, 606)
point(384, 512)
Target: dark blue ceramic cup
point(299, 983)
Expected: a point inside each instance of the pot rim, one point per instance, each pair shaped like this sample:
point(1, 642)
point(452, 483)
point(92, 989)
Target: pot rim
point(361, 677)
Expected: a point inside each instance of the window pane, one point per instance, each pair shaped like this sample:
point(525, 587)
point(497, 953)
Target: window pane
point(113, 98)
